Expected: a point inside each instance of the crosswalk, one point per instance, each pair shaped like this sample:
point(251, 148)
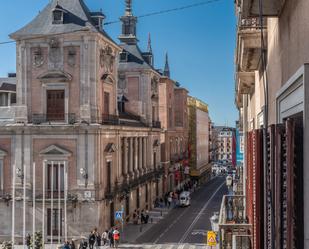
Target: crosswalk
point(164, 246)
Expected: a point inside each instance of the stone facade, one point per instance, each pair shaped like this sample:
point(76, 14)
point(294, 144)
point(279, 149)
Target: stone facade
point(199, 139)
point(174, 137)
point(274, 102)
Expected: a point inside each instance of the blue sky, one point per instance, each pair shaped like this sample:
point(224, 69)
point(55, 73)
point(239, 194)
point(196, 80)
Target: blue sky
point(200, 43)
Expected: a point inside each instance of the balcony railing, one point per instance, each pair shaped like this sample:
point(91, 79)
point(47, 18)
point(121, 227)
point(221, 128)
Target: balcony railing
point(156, 124)
point(108, 119)
point(69, 118)
point(242, 241)
point(232, 221)
point(251, 23)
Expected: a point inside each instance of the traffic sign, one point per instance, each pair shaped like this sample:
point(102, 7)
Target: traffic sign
point(118, 215)
point(211, 238)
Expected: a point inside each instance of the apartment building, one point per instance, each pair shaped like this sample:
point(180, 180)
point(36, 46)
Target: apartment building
point(271, 95)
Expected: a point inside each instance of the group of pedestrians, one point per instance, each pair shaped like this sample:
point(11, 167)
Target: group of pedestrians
point(143, 217)
point(171, 198)
point(95, 240)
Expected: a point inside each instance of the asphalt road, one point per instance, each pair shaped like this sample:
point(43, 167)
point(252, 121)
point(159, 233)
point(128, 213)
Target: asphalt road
point(189, 225)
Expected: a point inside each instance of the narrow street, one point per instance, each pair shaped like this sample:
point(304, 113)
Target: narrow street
point(189, 225)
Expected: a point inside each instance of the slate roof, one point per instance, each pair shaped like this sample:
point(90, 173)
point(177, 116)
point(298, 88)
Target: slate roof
point(8, 84)
point(135, 58)
point(77, 17)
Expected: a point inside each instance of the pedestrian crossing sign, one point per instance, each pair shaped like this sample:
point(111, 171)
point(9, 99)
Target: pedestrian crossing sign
point(118, 215)
point(211, 238)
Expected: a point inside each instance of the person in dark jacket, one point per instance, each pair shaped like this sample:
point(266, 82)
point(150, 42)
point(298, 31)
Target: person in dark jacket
point(83, 244)
point(91, 239)
point(66, 245)
point(72, 244)
point(98, 239)
point(28, 240)
point(111, 237)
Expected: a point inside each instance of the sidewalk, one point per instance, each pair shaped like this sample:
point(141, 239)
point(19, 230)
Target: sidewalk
point(132, 231)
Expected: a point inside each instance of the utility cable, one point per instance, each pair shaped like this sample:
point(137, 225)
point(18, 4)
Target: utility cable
point(170, 10)
point(161, 12)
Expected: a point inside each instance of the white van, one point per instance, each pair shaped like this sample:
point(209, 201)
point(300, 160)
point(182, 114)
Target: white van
point(185, 199)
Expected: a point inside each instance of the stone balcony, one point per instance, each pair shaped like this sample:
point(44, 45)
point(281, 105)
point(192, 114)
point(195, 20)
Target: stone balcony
point(232, 222)
point(7, 114)
point(248, 53)
point(251, 8)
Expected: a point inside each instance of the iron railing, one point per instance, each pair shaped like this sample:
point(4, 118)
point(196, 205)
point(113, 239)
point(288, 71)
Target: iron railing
point(40, 118)
point(108, 119)
point(231, 220)
point(156, 124)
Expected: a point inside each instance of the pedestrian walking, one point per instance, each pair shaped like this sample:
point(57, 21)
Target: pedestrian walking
point(66, 245)
point(98, 240)
point(83, 244)
point(72, 244)
point(111, 237)
point(169, 199)
point(105, 237)
point(116, 235)
point(91, 239)
point(135, 217)
point(28, 240)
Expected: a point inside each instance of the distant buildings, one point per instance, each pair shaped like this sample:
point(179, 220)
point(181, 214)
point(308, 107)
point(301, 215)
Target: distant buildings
point(199, 142)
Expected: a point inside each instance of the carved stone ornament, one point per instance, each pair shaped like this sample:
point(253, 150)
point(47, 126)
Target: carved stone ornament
point(72, 56)
point(122, 81)
point(38, 57)
point(54, 51)
point(154, 85)
point(107, 59)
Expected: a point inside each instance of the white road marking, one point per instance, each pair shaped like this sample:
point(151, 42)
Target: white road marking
point(184, 237)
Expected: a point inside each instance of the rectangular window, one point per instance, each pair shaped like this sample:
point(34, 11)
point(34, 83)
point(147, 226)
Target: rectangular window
point(55, 105)
point(1, 176)
point(54, 216)
point(109, 176)
point(55, 180)
point(13, 98)
point(4, 99)
point(106, 102)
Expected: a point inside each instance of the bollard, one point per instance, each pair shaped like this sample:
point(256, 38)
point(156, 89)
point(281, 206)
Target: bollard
point(151, 220)
point(161, 213)
point(141, 228)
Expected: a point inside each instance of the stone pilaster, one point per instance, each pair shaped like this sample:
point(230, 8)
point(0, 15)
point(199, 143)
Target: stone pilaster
point(130, 154)
point(140, 155)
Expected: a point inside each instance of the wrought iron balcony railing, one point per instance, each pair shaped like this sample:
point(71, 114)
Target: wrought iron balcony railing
point(108, 119)
point(232, 221)
point(156, 124)
point(39, 118)
point(251, 23)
